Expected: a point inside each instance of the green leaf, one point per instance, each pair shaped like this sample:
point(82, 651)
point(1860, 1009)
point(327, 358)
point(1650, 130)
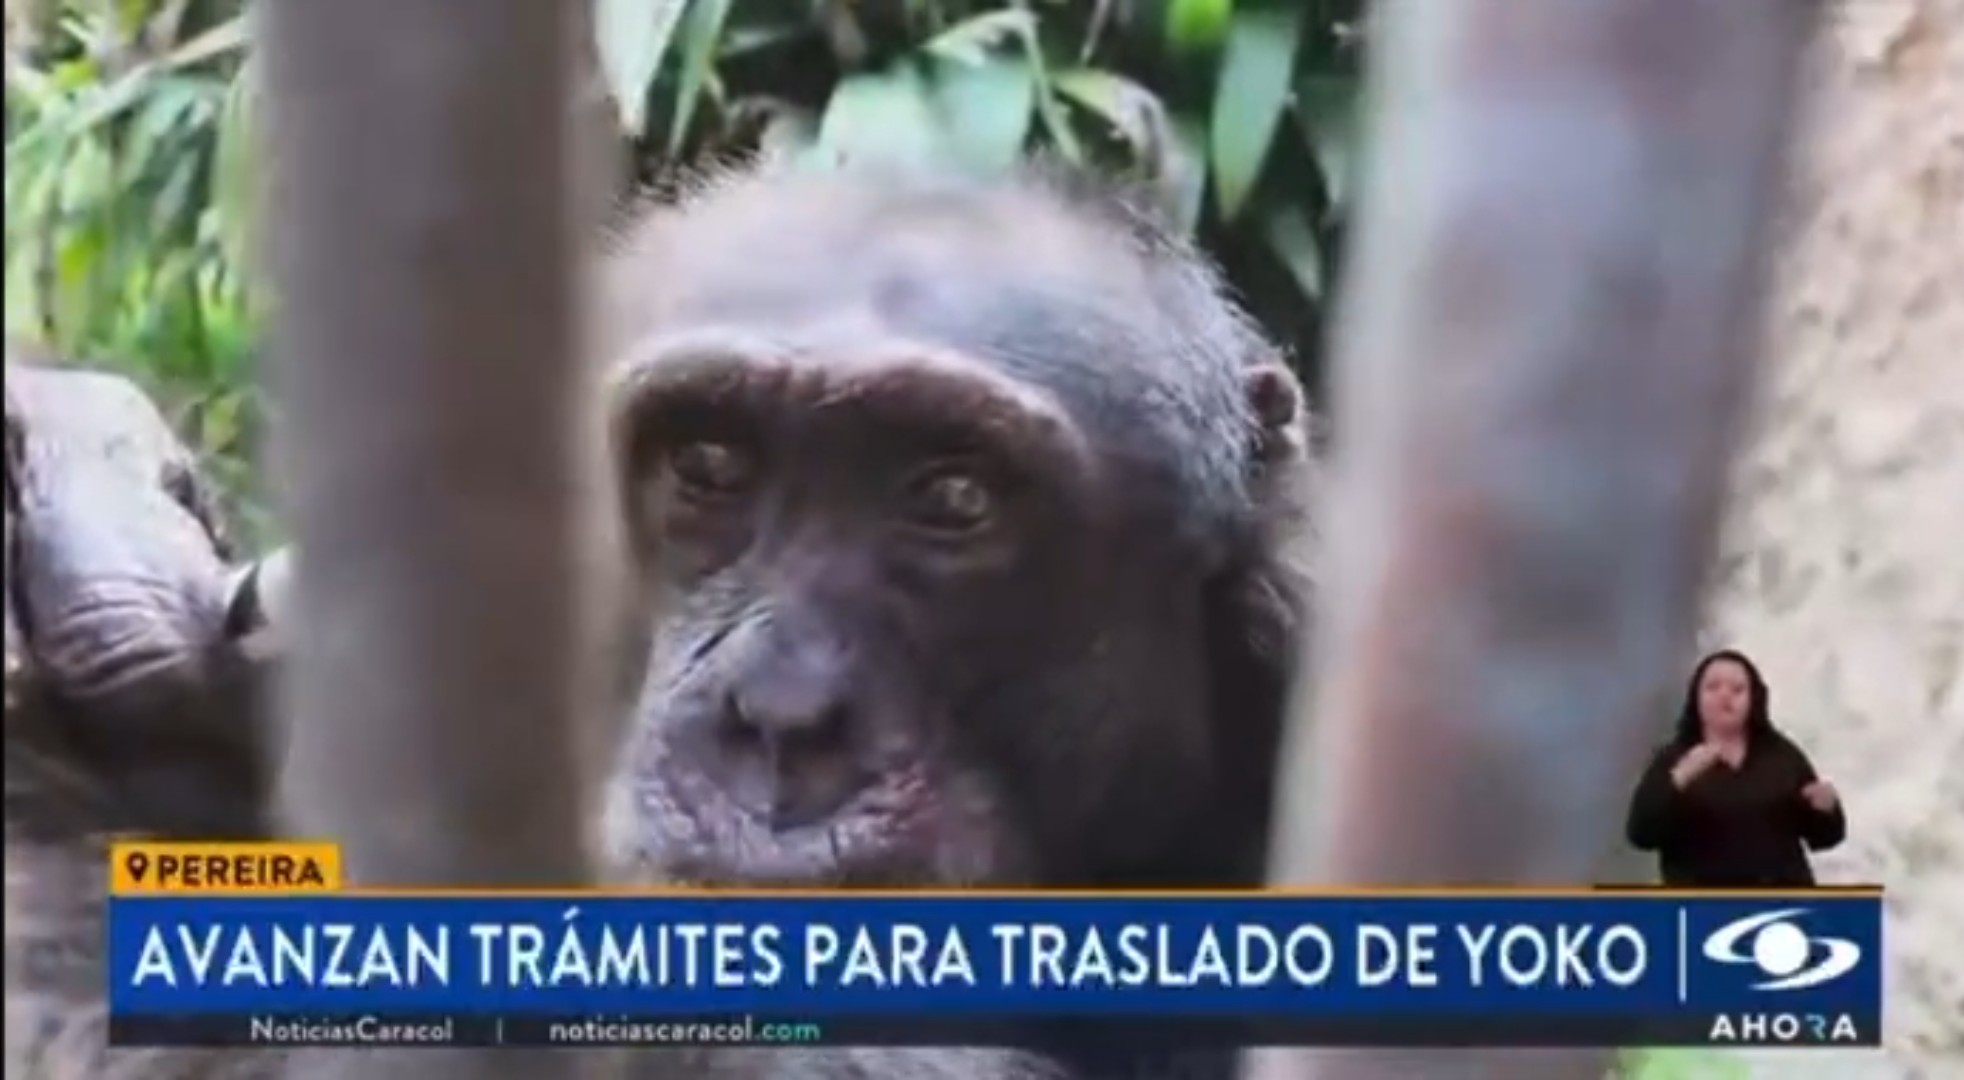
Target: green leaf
point(38, 91)
point(23, 301)
point(1056, 119)
point(232, 35)
point(101, 104)
point(1329, 110)
point(172, 292)
point(1250, 98)
point(87, 178)
point(125, 18)
point(742, 40)
point(700, 30)
point(1133, 111)
point(970, 41)
point(631, 38)
point(174, 205)
point(1185, 179)
point(77, 74)
point(221, 420)
point(173, 103)
point(232, 163)
point(887, 116)
point(1197, 25)
point(985, 111)
point(34, 191)
point(1293, 240)
point(1681, 1064)
point(78, 266)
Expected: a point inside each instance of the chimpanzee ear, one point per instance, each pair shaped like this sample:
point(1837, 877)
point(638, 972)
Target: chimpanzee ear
point(1258, 604)
point(1275, 403)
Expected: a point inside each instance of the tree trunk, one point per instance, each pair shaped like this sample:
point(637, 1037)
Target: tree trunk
point(427, 357)
point(1548, 341)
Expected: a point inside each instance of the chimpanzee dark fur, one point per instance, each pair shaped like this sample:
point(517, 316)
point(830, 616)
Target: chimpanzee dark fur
point(971, 515)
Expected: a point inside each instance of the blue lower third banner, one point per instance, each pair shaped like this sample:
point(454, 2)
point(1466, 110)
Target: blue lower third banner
point(950, 969)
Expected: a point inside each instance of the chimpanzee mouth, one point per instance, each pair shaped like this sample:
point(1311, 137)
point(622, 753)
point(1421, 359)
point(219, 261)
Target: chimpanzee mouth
point(886, 837)
point(904, 832)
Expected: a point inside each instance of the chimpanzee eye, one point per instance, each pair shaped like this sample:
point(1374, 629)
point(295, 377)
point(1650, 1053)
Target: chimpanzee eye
point(950, 501)
point(712, 470)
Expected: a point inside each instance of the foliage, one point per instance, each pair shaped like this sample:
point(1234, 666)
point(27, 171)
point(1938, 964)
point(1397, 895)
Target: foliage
point(126, 142)
point(124, 156)
point(1681, 1064)
point(1238, 112)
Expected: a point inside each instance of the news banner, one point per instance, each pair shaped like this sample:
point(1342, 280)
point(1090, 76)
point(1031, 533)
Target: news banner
point(244, 945)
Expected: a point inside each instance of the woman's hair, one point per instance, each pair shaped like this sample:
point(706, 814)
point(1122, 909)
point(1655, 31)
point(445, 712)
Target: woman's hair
point(1759, 720)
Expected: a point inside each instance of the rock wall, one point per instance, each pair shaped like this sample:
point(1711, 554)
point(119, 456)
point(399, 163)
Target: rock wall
point(1843, 572)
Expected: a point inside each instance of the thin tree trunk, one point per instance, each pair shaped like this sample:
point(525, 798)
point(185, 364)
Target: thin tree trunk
point(1545, 355)
point(426, 348)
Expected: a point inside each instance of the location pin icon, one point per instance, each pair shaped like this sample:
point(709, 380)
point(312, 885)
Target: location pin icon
point(138, 864)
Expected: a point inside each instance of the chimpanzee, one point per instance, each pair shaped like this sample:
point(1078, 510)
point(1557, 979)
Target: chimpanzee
point(128, 711)
point(973, 513)
point(971, 519)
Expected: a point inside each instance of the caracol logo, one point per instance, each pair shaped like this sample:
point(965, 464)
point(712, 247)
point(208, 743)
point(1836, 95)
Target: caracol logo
point(1773, 943)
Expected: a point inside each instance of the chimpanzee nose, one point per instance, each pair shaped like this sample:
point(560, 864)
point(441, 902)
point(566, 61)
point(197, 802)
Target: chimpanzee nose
point(792, 715)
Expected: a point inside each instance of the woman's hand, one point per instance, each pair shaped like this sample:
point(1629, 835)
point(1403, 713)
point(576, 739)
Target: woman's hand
point(1821, 796)
point(1693, 764)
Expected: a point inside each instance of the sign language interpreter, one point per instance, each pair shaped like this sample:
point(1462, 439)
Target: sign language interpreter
point(1731, 801)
